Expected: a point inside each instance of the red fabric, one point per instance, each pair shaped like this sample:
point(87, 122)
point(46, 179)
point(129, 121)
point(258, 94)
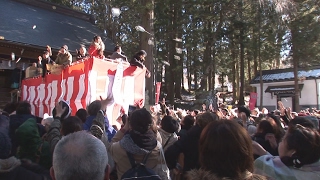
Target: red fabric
point(80, 84)
point(93, 51)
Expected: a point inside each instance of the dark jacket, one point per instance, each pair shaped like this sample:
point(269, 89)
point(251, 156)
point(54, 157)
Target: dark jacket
point(44, 63)
point(15, 121)
point(135, 61)
point(13, 169)
point(188, 145)
point(260, 138)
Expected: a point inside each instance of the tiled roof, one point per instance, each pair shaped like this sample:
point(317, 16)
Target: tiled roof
point(30, 25)
point(279, 75)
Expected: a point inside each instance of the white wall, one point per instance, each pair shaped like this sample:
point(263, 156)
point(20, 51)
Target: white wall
point(308, 93)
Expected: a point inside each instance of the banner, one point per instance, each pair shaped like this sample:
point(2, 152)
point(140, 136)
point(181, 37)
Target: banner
point(82, 83)
point(253, 100)
point(158, 87)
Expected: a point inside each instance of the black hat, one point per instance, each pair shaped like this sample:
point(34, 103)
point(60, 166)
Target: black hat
point(67, 113)
point(244, 110)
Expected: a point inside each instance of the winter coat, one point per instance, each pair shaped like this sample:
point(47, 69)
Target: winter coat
point(201, 174)
point(32, 146)
point(53, 136)
point(165, 137)
point(64, 59)
point(109, 129)
point(11, 169)
point(189, 146)
point(273, 168)
point(15, 121)
point(260, 138)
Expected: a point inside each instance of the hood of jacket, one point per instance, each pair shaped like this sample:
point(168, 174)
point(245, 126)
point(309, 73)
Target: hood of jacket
point(28, 138)
point(201, 174)
point(7, 165)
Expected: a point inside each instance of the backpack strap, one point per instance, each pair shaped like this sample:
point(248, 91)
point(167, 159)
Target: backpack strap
point(167, 141)
point(134, 163)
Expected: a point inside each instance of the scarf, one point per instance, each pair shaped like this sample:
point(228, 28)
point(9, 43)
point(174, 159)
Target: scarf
point(136, 143)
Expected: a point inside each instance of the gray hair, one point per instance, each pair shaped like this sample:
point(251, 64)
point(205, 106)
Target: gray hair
point(80, 156)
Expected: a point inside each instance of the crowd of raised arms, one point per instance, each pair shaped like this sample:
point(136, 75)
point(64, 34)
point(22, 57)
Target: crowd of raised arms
point(159, 143)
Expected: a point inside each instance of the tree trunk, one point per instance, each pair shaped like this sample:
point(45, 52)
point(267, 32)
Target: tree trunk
point(242, 85)
point(260, 61)
point(295, 56)
point(147, 22)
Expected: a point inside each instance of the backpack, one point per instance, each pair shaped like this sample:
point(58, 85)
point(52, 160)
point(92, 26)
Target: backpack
point(139, 171)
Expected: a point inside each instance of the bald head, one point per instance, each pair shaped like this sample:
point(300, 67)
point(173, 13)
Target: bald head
point(79, 156)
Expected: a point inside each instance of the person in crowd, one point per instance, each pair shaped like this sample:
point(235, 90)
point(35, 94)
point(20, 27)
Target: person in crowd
point(13, 168)
point(138, 60)
point(62, 125)
point(264, 130)
point(277, 126)
point(23, 112)
point(138, 138)
point(189, 145)
point(93, 110)
point(195, 112)
point(82, 114)
point(82, 53)
point(299, 154)
point(31, 145)
point(245, 121)
point(168, 128)
point(97, 47)
point(221, 160)
point(64, 57)
point(9, 109)
point(117, 54)
point(80, 156)
point(186, 123)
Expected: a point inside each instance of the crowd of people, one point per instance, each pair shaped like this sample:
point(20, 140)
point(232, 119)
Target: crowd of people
point(159, 143)
point(96, 49)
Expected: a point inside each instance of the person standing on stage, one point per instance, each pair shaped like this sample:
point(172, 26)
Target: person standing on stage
point(138, 60)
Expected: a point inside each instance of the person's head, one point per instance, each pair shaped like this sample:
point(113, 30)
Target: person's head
point(142, 54)
point(83, 50)
point(141, 120)
point(225, 112)
point(82, 114)
point(265, 127)
point(70, 125)
point(80, 156)
point(45, 54)
point(245, 110)
point(10, 107)
point(64, 49)
point(187, 122)
point(204, 119)
point(300, 146)
point(34, 64)
point(5, 144)
point(23, 107)
point(195, 112)
point(229, 159)
point(94, 108)
point(97, 39)
point(118, 49)
point(255, 112)
point(169, 124)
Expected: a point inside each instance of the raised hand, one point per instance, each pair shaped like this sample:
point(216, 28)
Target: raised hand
point(59, 109)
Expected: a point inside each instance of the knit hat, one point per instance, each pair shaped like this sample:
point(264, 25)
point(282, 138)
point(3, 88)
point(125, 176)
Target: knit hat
point(66, 113)
point(5, 144)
